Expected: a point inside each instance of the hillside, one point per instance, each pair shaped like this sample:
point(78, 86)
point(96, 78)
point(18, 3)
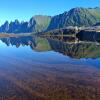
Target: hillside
point(40, 23)
point(35, 24)
point(76, 17)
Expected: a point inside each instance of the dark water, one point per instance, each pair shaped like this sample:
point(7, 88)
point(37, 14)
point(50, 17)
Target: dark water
point(33, 68)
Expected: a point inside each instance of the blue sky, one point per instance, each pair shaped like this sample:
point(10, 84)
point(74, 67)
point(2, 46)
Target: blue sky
point(25, 9)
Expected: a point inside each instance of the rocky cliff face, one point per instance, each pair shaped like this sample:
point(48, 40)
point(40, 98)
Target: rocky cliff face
point(76, 17)
point(35, 24)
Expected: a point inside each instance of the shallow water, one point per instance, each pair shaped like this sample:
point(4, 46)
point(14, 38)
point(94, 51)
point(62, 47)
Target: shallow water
point(33, 68)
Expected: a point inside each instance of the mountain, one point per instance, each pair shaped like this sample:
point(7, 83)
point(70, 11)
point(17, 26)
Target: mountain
point(4, 27)
point(39, 23)
point(35, 24)
point(76, 17)
point(42, 22)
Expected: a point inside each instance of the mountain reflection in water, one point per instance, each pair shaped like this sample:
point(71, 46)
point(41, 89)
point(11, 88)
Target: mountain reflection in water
point(49, 70)
point(79, 50)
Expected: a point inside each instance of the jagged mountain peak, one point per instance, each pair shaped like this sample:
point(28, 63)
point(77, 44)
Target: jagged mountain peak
point(75, 17)
point(37, 23)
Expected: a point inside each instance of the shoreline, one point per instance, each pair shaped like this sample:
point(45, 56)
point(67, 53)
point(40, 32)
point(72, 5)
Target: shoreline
point(4, 35)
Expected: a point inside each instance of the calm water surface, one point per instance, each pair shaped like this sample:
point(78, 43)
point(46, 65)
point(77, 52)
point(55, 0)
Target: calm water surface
point(43, 69)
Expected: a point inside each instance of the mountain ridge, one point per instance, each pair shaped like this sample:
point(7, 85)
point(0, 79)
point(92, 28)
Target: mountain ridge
point(39, 23)
point(33, 25)
point(76, 17)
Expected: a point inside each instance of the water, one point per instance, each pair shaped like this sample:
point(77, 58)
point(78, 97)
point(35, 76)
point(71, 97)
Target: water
point(33, 68)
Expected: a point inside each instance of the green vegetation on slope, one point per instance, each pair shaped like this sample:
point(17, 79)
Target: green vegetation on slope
point(76, 17)
point(42, 22)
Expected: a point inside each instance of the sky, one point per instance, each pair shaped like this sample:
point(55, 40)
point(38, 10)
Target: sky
point(25, 9)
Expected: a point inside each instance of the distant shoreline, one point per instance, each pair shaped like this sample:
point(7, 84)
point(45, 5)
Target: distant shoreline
point(3, 35)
